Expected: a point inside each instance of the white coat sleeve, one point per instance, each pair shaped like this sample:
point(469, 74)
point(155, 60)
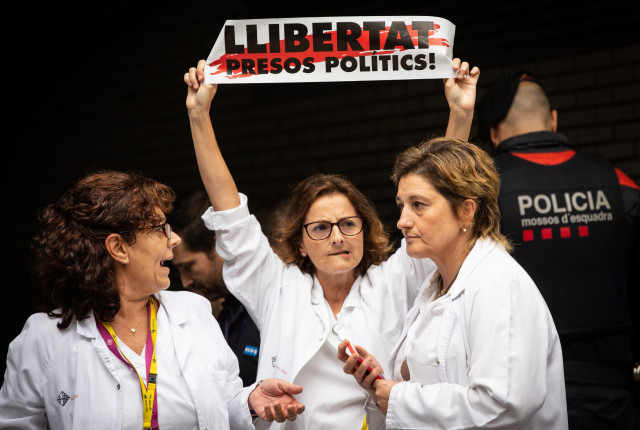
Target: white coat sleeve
point(251, 271)
point(21, 399)
point(505, 320)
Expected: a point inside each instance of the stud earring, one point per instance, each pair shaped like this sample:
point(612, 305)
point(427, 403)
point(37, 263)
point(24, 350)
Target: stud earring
point(304, 254)
point(126, 261)
point(464, 229)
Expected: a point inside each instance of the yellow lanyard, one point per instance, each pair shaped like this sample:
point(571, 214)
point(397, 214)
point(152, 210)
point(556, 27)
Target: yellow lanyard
point(149, 401)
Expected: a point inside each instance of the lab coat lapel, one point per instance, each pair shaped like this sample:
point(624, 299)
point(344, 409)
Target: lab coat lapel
point(182, 337)
point(409, 319)
point(87, 366)
point(315, 327)
point(87, 328)
point(480, 250)
point(318, 305)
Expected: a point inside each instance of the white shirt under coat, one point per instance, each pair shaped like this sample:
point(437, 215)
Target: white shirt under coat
point(295, 323)
point(69, 379)
point(485, 355)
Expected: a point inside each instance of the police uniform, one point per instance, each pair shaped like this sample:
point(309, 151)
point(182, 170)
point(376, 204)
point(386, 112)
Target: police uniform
point(574, 221)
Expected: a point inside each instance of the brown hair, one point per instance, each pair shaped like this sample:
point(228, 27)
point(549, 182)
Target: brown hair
point(289, 235)
point(71, 261)
point(459, 170)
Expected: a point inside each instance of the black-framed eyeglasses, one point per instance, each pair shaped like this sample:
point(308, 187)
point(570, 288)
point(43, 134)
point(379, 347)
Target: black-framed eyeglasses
point(320, 230)
point(166, 229)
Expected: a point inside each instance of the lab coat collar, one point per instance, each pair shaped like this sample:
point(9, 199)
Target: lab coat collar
point(317, 294)
point(321, 308)
point(87, 327)
point(353, 299)
point(182, 337)
point(479, 252)
point(178, 318)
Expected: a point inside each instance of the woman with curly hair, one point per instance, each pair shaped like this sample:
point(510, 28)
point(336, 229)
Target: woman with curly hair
point(115, 350)
point(332, 275)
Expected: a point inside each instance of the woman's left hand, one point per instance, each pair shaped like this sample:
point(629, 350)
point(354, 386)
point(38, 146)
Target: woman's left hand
point(273, 400)
point(383, 390)
point(461, 90)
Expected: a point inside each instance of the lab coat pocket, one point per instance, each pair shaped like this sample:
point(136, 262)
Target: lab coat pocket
point(219, 376)
point(428, 329)
point(221, 383)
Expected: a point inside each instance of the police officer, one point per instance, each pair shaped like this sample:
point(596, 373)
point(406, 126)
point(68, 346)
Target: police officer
point(574, 221)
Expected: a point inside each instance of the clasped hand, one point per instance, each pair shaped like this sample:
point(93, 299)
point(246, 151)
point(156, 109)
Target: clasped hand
point(378, 389)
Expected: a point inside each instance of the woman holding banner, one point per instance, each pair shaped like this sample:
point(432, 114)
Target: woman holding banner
point(333, 278)
point(479, 349)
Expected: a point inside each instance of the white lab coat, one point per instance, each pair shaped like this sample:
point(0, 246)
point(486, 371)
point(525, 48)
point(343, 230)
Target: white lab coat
point(290, 309)
point(500, 362)
point(44, 362)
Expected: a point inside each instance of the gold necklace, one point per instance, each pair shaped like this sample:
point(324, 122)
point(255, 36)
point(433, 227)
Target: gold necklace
point(133, 330)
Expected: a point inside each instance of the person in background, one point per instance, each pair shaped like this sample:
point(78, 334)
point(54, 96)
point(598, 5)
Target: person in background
point(200, 269)
point(332, 276)
point(114, 349)
point(574, 221)
point(479, 349)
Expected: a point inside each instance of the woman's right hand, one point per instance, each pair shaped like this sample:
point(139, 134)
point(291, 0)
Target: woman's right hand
point(273, 400)
point(360, 370)
point(199, 94)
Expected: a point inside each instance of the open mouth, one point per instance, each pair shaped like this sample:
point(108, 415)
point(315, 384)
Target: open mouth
point(341, 253)
point(165, 263)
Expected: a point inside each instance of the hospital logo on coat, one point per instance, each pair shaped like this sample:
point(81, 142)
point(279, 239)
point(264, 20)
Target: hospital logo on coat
point(250, 350)
point(63, 398)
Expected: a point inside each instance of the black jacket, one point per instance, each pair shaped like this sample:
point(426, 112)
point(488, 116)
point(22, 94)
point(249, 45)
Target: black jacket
point(243, 337)
point(574, 221)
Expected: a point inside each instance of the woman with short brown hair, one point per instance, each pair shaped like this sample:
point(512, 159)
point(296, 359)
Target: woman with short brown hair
point(479, 348)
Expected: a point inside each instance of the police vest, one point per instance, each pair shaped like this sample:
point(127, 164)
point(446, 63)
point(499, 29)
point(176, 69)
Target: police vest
point(563, 213)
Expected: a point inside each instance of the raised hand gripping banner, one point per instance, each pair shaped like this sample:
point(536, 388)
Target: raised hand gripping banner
point(332, 49)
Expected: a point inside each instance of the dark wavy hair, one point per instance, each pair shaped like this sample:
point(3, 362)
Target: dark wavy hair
point(289, 236)
point(71, 261)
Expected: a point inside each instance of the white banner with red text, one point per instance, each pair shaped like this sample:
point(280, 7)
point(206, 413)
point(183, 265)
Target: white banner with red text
point(332, 49)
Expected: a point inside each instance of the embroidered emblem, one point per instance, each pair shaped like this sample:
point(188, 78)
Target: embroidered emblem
point(273, 363)
point(63, 398)
point(251, 351)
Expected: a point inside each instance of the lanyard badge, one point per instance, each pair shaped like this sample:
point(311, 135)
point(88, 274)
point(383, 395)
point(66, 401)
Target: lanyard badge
point(148, 390)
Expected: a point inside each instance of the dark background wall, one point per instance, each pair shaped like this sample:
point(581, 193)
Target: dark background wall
point(86, 89)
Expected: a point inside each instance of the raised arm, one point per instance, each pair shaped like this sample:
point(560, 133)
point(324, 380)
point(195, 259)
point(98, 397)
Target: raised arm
point(214, 172)
point(461, 96)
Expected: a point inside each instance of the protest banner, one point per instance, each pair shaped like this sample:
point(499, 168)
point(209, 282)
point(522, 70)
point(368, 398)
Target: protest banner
point(331, 49)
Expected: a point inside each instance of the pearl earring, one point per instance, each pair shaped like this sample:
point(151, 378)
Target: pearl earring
point(304, 254)
point(464, 229)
